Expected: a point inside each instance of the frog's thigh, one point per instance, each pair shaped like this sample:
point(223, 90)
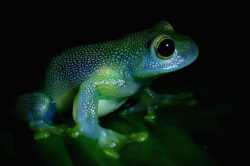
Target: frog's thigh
point(38, 110)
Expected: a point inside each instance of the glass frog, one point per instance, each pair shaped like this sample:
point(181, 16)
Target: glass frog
point(97, 79)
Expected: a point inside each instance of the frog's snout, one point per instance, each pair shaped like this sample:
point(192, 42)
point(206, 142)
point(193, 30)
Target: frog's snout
point(193, 52)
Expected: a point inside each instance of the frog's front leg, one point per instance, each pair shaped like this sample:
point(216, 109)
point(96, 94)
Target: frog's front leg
point(85, 114)
point(150, 101)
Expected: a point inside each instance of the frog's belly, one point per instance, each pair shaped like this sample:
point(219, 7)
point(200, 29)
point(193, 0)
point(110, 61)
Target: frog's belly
point(106, 106)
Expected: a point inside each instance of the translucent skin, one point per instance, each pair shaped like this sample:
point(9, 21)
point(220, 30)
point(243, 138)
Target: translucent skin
point(97, 79)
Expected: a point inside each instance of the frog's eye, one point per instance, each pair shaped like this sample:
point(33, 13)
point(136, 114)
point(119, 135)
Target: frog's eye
point(164, 47)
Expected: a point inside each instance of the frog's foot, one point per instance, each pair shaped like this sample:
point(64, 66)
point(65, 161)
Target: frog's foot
point(150, 116)
point(111, 141)
point(74, 131)
point(150, 103)
point(43, 129)
point(179, 99)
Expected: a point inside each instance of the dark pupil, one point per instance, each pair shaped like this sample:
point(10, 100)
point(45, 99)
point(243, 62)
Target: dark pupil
point(166, 47)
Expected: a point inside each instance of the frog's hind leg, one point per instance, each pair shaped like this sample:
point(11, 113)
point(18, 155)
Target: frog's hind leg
point(37, 109)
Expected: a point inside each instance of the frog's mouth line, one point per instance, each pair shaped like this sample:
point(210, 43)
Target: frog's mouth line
point(154, 68)
point(177, 64)
point(163, 70)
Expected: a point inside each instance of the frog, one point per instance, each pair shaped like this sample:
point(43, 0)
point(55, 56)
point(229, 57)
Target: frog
point(91, 81)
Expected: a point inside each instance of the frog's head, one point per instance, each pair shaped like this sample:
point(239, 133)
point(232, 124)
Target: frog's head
point(165, 51)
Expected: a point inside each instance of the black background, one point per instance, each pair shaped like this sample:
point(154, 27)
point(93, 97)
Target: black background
point(32, 32)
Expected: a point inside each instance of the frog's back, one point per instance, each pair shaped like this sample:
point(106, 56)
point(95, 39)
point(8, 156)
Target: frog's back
point(65, 72)
point(69, 69)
